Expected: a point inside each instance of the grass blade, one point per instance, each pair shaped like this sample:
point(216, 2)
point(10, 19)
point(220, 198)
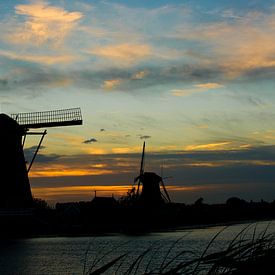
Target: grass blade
point(105, 267)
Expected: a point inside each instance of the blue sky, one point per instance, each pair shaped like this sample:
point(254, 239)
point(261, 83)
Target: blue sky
point(189, 77)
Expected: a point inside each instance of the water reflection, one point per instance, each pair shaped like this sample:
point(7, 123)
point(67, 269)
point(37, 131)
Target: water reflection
point(67, 255)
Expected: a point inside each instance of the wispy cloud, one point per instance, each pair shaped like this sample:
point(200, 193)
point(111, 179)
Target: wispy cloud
point(43, 24)
point(236, 44)
point(208, 86)
point(192, 169)
point(36, 58)
point(67, 171)
point(123, 54)
point(198, 88)
point(209, 146)
point(140, 75)
point(111, 84)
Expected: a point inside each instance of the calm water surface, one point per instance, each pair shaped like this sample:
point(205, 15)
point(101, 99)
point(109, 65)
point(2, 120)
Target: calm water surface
point(74, 255)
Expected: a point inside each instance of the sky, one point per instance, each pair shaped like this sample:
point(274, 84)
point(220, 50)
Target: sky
point(194, 79)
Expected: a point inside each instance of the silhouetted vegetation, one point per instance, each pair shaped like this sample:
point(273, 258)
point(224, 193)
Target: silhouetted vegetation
point(106, 214)
point(40, 204)
point(245, 254)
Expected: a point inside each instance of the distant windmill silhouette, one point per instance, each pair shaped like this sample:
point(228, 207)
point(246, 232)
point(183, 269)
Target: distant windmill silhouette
point(14, 184)
point(151, 183)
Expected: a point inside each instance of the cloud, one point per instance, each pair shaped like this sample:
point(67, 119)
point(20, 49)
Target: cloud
point(94, 78)
point(63, 170)
point(78, 192)
point(89, 141)
point(43, 24)
point(238, 45)
point(242, 169)
point(111, 84)
point(203, 126)
point(208, 62)
point(140, 75)
point(186, 92)
point(35, 58)
point(197, 88)
point(33, 148)
point(123, 54)
point(29, 153)
point(3, 82)
point(209, 146)
point(41, 157)
point(144, 137)
point(45, 12)
point(208, 86)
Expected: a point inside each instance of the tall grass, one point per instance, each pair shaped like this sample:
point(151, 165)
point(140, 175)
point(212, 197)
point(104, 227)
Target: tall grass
point(246, 253)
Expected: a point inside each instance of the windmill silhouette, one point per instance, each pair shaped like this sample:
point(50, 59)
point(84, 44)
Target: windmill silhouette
point(14, 181)
point(151, 193)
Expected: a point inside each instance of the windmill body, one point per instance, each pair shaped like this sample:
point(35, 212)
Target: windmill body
point(151, 193)
point(14, 181)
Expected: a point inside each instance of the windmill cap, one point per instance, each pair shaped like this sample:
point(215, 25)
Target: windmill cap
point(8, 126)
point(151, 176)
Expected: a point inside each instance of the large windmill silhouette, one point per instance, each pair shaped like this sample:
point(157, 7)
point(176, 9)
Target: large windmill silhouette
point(14, 181)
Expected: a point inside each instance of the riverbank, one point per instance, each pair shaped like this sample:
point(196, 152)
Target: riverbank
point(83, 219)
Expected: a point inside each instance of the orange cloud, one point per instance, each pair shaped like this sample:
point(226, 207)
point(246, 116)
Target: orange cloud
point(206, 164)
point(239, 45)
point(43, 59)
point(224, 163)
point(209, 146)
point(63, 170)
point(102, 190)
point(209, 85)
point(198, 187)
point(111, 84)
point(96, 151)
point(43, 24)
point(140, 75)
point(124, 54)
point(79, 191)
point(203, 126)
point(87, 192)
point(197, 88)
point(123, 150)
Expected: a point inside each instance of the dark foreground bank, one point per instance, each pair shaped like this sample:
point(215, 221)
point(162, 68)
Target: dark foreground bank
point(88, 218)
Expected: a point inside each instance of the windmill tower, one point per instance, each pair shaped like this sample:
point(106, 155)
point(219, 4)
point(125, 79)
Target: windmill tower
point(152, 183)
point(14, 181)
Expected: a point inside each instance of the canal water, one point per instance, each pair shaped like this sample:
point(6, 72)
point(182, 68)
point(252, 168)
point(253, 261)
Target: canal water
point(80, 255)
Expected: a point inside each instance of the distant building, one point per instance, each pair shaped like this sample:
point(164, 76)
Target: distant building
point(104, 202)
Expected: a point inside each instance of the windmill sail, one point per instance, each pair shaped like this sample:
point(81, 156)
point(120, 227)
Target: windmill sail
point(141, 167)
point(65, 117)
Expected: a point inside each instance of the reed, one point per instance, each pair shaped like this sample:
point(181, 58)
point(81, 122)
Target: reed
point(245, 254)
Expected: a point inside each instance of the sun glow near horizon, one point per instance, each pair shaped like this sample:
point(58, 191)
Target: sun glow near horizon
point(194, 80)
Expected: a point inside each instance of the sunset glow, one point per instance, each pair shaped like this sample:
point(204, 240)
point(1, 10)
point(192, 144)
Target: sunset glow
point(193, 79)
